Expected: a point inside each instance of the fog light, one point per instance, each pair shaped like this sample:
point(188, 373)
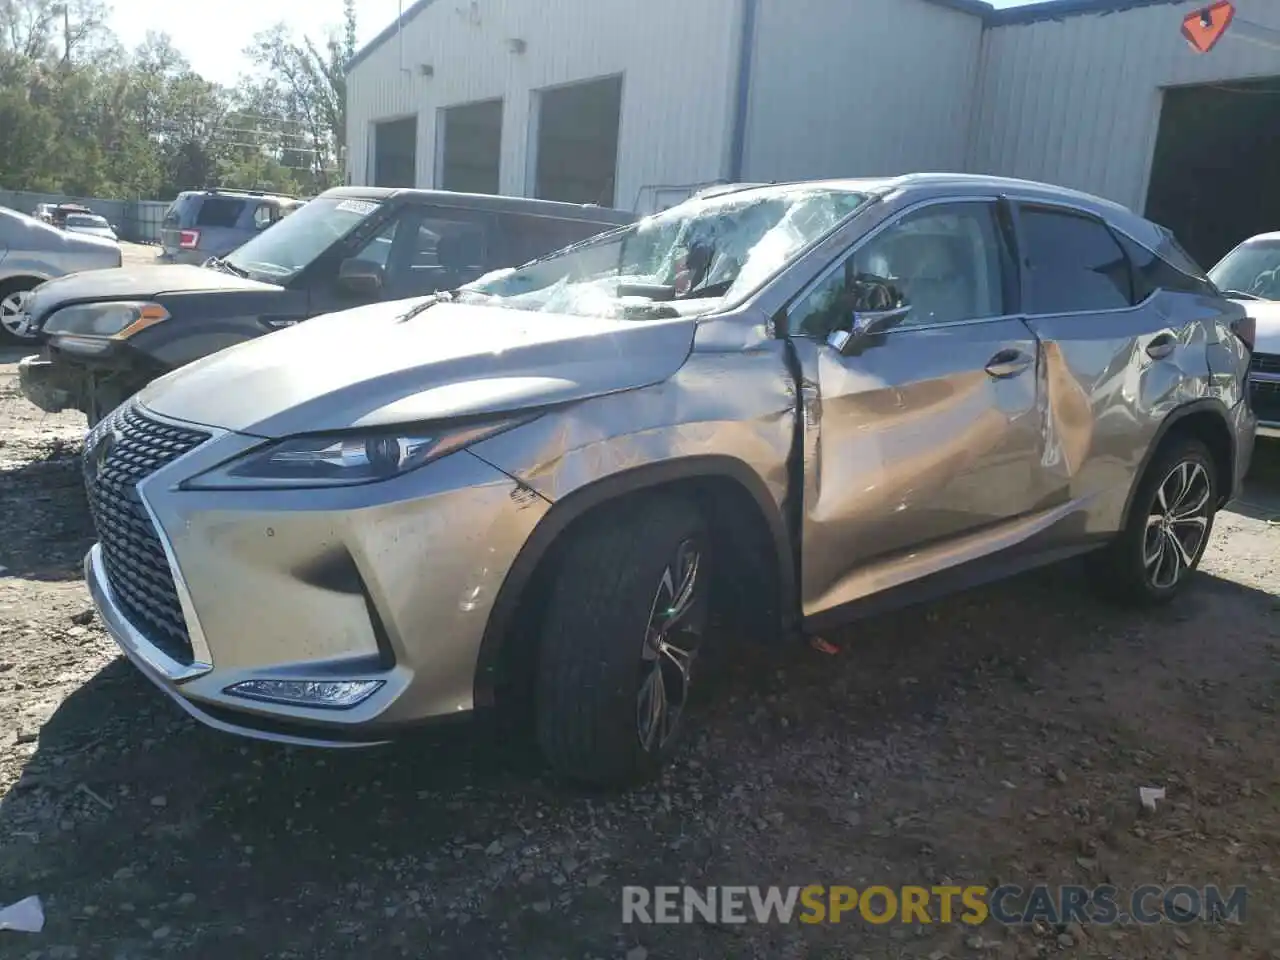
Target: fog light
point(329, 694)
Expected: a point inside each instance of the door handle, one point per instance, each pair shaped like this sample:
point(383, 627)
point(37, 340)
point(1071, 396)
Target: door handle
point(1008, 363)
point(1162, 346)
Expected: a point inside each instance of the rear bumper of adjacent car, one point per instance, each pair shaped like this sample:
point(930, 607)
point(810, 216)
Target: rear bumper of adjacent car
point(387, 584)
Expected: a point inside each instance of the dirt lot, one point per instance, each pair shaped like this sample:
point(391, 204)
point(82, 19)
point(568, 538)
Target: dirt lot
point(1000, 736)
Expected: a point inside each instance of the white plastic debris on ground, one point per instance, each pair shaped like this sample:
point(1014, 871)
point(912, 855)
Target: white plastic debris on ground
point(25, 916)
point(1148, 796)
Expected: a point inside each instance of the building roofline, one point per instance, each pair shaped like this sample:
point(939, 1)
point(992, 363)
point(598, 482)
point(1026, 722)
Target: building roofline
point(990, 16)
point(387, 33)
point(1058, 9)
point(978, 8)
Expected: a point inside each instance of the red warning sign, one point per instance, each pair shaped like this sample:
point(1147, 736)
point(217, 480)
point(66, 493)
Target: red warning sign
point(1203, 28)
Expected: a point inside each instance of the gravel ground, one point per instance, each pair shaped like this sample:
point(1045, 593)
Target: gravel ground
point(998, 736)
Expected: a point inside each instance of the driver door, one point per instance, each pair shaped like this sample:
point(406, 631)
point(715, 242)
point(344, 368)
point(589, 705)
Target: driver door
point(420, 250)
point(925, 432)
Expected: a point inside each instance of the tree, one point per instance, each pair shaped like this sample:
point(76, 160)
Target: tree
point(304, 89)
point(83, 116)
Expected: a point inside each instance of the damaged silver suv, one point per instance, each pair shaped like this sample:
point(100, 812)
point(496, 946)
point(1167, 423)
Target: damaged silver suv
point(760, 411)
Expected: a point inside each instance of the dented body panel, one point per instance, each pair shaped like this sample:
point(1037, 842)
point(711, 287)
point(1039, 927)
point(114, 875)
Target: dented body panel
point(868, 461)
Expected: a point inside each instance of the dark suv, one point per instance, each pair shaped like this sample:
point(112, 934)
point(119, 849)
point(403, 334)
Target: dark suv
point(211, 223)
point(110, 332)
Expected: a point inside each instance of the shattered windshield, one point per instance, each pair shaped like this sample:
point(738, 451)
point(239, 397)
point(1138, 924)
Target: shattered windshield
point(288, 247)
point(1252, 268)
point(685, 261)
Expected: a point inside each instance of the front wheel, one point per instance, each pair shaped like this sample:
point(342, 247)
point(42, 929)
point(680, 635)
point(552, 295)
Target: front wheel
point(13, 315)
point(623, 628)
point(1168, 528)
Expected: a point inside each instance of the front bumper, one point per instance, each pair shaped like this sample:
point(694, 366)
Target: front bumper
point(48, 385)
point(392, 581)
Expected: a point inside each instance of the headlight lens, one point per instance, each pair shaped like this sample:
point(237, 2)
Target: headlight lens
point(116, 320)
point(328, 460)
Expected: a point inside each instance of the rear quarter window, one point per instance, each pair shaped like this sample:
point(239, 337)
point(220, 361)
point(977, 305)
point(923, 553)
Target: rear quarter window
point(1151, 272)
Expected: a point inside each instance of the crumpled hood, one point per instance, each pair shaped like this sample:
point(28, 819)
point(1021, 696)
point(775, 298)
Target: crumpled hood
point(367, 368)
point(1266, 318)
point(132, 283)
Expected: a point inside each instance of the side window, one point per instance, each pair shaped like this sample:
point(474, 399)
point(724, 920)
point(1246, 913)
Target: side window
point(1074, 263)
point(262, 216)
point(526, 238)
point(943, 262)
point(378, 250)
point(426, 249)
point(1151, 272)
point(219, 212)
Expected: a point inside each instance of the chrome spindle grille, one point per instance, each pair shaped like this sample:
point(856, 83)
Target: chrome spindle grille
point(123, 450)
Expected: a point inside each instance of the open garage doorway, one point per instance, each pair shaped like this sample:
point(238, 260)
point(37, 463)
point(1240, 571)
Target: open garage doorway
point(577, 142)
point(395, 153)
point(1213, 176)
point(471, 147)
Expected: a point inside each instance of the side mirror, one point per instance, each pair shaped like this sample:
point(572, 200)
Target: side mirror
point(877, 321)
point(362, 277)
point(865, 324)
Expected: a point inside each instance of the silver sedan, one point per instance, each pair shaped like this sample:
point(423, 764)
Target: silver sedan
point(32, 252)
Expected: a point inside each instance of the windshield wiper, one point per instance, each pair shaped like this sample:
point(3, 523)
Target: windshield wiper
point(444, 296)
point(225, 267)
point(1241, 295)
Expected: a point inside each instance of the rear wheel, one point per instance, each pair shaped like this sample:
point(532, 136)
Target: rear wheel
point(621, 637)
point(1168, 528)
point(13, 320)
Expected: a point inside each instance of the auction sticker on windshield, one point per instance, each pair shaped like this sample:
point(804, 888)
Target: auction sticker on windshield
point(362, 207)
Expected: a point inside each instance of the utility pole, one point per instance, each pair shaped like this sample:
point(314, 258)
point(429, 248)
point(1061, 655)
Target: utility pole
point(64, 9)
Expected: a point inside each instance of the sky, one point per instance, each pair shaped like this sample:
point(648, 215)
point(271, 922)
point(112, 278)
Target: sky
point(212, 33)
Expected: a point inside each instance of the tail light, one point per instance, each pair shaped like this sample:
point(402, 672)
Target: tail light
point(1246, 329)
point(188, 239)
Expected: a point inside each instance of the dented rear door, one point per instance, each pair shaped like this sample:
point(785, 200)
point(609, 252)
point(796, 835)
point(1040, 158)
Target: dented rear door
point(1119, 354)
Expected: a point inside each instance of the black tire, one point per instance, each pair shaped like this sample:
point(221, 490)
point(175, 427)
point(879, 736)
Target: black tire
point(597, 655)
point(9, 289)
point(1124, 571)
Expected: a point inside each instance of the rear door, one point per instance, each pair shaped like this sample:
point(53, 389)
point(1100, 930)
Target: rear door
point(1120, 352)
point(928, 432)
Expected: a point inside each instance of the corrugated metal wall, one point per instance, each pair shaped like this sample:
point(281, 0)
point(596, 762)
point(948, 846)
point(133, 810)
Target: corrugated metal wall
point(864, 89)
point(677, 60)
point(1077, 101)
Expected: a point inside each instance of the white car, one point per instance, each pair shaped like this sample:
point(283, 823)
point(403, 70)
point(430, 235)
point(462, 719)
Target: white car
point(32, 252)
point(90, 223)
point(1250, 274)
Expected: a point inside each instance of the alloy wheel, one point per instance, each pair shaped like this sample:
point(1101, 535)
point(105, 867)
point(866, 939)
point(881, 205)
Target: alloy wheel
point(13, 317)
point(1177, 524)
point(672, 638)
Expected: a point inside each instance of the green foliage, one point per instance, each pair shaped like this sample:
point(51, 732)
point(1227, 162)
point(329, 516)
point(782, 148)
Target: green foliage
point(82, 116)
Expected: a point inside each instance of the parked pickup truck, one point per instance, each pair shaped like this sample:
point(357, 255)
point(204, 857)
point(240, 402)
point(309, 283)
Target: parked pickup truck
point(111, 332)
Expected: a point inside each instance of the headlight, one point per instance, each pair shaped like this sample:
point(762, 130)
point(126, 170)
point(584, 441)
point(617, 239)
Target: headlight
point(116, 320)
point(330, 460)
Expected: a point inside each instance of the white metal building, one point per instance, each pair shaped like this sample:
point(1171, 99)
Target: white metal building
point(634, 104)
